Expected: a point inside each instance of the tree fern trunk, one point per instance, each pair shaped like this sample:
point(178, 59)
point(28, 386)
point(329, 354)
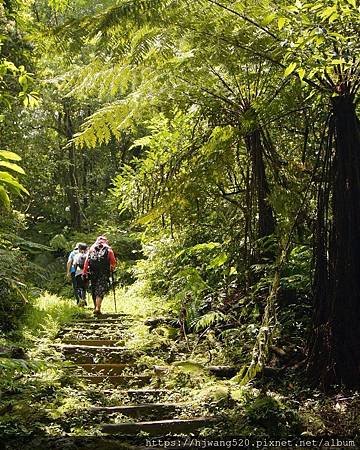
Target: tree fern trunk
point(266, 221)
point(334, 351)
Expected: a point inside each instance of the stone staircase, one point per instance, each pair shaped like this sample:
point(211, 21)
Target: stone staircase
point(97, 353)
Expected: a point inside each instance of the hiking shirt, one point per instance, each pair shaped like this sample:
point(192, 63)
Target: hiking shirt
point(111, 259)
point(71, 259)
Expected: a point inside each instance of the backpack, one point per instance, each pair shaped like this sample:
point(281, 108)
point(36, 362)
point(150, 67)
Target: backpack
point(79, 260)
point(99, 261)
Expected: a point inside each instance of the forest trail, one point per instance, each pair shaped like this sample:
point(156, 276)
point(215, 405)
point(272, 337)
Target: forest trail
point(133, 399)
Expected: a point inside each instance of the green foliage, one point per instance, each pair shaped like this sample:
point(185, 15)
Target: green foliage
point(269, 415)
point(146, 133)
point(37, 390)
point(209, 319)
point(15, 270)
point(8, 182)
point(47, 315)
point(296, 275)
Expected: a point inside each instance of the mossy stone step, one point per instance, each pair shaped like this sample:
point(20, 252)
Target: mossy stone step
point(100, 328)
point(101, 320)
point(139, 410)
point(104, 326)
point(92, 342)
point(118, 380)
point(105, 369)
point(117, 314)
point(91, 316)
point(138, 394)
point(98, 334)
point(85, 354)
point(71, 348)
point(127, 395)
point(159, 427)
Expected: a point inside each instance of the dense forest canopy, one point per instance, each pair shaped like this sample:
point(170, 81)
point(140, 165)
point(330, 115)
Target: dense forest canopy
point(216, 143)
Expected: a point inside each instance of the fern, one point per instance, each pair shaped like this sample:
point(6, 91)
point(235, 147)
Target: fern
point(209, 319)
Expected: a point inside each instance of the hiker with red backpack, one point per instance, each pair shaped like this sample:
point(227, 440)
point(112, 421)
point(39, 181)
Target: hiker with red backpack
point(99, 265)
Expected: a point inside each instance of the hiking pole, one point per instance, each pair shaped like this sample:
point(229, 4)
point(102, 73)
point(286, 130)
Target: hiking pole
point(113, 287)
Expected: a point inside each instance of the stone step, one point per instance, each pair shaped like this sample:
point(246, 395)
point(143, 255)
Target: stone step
point(105, 327)
point(123, 395)
point(91, 342)
point(138, 394)
point(99, 329)
point(110, 335)
point(139, 410)
point(159, 427)
point(102, 320)
point(116, 315)
point(91, 316)
point(118, 380)
point(101, 326)
point(71, 348)
point(85, 358)
point(89, 354)
point(104, 369)
point(91, 336)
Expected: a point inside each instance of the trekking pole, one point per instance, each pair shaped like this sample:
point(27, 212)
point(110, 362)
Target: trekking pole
point(113, 286)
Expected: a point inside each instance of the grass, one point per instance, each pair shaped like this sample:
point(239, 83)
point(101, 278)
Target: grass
point(134, 301)
point(47, 315)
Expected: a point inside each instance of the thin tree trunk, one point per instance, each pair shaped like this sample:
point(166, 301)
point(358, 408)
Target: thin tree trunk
point(84, 180)
point(71, 189)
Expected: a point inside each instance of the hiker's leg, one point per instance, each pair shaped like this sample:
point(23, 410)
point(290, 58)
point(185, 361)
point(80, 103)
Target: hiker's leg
point(98, 304)
point(101, 290)
point(81, 290)
point(93, 293)
point(84, 291)
point(73, 280)
point(78, 288)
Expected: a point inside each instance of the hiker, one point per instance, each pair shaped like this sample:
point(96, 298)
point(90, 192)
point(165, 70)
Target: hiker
point(80, 282)
point(99, 264)
point(70, 269)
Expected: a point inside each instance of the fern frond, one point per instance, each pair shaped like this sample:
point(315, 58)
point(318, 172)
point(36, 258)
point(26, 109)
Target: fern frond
point(209, 319)
point(101, 25)
point(139, 12)
point(108, 122)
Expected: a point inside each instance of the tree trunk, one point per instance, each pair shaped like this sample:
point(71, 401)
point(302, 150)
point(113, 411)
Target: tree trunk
point(84, 180)
point(71, 189)
point(334, 350)
point(266, 221)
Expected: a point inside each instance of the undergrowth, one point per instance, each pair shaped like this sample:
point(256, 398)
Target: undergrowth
point(33, 375)
point(40, 396)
